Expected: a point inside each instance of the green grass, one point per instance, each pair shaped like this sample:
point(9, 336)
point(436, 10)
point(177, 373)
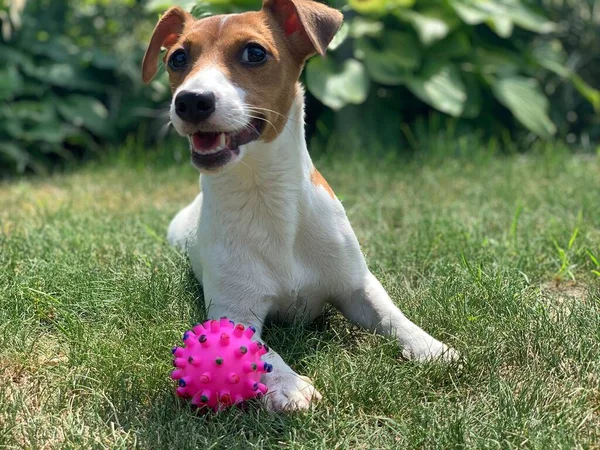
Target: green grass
point(496, 256)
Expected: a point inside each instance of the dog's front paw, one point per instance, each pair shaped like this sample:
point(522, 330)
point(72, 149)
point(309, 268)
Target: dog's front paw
point(429, 349)
point(290, 392)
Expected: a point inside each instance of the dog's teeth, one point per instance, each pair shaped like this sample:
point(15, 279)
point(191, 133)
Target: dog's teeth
point(222, 141)
point(219, 148)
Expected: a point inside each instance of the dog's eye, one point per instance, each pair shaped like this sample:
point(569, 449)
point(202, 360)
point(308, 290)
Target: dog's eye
point(178, 60)
point(254, 55)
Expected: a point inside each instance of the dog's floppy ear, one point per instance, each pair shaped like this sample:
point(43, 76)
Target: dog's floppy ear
point(165, 34)
point(308, 25)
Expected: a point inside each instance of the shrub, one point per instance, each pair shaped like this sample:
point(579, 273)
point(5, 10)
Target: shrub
point(476, 60)
point(70, 80)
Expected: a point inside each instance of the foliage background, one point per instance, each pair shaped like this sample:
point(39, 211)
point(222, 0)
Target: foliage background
point(398, 71)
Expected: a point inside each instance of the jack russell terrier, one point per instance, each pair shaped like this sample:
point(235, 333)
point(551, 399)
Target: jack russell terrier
point(267, 236)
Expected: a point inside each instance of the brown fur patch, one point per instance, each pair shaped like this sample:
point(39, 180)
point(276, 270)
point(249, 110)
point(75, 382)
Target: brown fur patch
point(220, 41)
point(318, 180)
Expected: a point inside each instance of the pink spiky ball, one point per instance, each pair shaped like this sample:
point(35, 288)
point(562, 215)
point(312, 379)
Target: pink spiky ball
point(219, 364)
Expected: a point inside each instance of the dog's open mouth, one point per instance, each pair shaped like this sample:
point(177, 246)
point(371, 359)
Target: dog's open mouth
point(213, 149)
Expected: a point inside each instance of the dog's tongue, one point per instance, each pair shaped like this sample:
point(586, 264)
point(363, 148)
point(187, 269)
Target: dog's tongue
point(204, 142)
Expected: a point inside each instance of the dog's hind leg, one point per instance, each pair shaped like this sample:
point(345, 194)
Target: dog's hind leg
point(371, 307)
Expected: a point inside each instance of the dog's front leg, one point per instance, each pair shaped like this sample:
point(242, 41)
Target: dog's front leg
point(370, 306)
point(288, 391)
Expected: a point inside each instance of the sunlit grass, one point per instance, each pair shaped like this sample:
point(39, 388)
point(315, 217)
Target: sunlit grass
point(496, 256)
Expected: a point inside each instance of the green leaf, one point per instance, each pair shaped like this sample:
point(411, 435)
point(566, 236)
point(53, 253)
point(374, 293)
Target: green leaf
point(47, 133)
point(525, 99)
point(390, 58)
point(441, 87)
point(431, 25)
point(14, 153)
point(11, 83)
point(468, 13)
point(496, 60)
point(378, 7)
point(68, 77)
point(552, 56)
point(87, 112)
point(500, 15)
point(473, 105)
point(15, 56)
point(375, 7)
point(457, 44)
point(361, 27)
point(528, 19)
point(37, 111)
point(160, 6)
point(503, 26)
point(336, 85)
point(340, 37)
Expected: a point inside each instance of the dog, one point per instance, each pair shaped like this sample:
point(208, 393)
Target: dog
point(266, 237)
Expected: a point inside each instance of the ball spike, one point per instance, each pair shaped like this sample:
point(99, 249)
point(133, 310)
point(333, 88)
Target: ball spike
point(219, 361)
point(224, 322)
point(185, 381)
point(198, 329)
point(205, 378)
point(196, 362)
point(206, 396)
point(225, 398)
point(181, 392)
point(263, 388)
point(249, 331)
point(241, 351)
point(238, 330)
point(189, 338)
point(177, 374)
point(266, 368)
point(254, 347)
point(248, 367)
point(224, 339)
point(252, 385)
point(197, 399)
point(180, 362)
point(203, 339)
point(233, 378)
point(215, 326)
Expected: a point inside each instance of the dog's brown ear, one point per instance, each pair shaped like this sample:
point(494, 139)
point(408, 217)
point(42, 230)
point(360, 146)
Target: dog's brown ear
point(310, 26)
point(165, 34)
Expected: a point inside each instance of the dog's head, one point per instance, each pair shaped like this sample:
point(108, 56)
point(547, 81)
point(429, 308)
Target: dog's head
point(234, 77)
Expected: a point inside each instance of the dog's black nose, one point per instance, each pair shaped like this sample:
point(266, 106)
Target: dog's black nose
point(194, 107)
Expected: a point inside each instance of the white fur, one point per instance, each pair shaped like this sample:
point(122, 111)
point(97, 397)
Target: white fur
point(229, 115)
point(266, 242)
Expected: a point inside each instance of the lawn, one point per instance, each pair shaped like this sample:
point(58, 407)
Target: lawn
point(494, 255)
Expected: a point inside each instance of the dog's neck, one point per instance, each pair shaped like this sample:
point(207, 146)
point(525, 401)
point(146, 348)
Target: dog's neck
point(276, 168)
point(258, 201)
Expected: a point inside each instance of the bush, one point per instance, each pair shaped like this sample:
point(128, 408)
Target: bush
point(480, 61)
point(70, 80)
point(578, 25)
